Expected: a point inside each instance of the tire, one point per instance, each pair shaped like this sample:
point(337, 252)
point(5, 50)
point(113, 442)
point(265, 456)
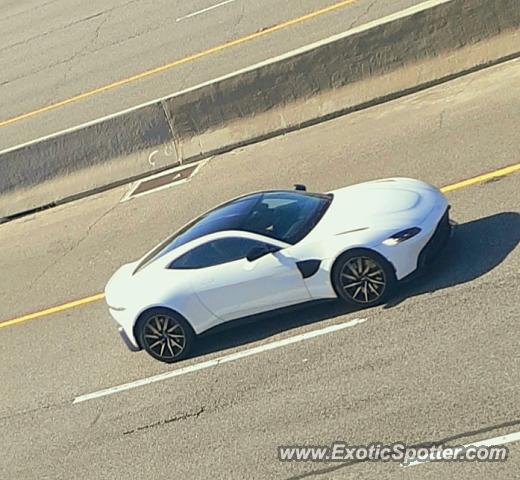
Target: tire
point(165, 335)
point(363, 278)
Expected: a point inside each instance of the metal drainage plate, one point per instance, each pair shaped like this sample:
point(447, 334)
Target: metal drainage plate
point(163, 180)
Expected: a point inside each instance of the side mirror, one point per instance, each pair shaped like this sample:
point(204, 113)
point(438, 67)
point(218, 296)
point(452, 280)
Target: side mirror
point(257, 252)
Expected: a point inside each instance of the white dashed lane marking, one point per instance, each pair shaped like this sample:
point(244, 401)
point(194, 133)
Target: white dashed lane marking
point(490, 442)
point(218, 361)
point(204, 10)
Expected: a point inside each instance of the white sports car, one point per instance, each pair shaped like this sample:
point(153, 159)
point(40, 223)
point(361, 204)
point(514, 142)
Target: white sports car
point(272, 249)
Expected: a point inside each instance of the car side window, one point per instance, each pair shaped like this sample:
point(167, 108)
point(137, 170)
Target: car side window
point(216, 252)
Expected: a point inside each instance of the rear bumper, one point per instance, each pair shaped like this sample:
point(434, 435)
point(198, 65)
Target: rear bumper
point(127, 341)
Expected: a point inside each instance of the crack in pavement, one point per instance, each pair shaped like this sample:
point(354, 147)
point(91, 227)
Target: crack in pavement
point(86, 49)
point(441, 120)
point(9, 416)
point(82, 52)
point(49, 32)
point(67, 25)
point(72, 248)
point(240, 18)
point(33, 8)
point(363, 14)
point(177, 418)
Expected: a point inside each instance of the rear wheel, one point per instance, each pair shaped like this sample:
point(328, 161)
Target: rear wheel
point(165, 335)
point(363, 278)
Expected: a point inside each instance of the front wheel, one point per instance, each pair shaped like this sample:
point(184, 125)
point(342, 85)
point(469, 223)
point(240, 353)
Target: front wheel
point(363, 278)
point(165, 335)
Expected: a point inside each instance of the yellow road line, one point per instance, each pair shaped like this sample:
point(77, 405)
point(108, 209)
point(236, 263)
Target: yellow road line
point(176, 63)
point(94, 298)
point(481, 178)
point(52, 310)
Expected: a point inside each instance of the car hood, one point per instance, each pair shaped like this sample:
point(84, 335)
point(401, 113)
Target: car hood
point(381, 204)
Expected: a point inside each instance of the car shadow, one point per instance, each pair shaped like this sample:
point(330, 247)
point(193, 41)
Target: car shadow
point(476, 248)
point(258, 327)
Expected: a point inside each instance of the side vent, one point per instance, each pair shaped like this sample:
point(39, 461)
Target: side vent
point(308, 267)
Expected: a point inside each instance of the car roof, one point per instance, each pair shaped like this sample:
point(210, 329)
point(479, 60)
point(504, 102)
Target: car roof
point(228, 216)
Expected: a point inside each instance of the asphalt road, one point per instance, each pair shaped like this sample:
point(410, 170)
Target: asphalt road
point(56, 49)
point(440, 363)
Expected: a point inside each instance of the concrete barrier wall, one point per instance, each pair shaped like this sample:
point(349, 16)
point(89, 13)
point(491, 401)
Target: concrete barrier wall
point(82, 159)
point(403, 52)
point(422, 44)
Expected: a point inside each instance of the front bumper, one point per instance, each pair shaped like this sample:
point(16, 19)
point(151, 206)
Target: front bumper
point(437, 241)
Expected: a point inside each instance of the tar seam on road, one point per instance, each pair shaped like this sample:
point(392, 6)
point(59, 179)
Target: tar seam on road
point(176, 63)
point(501, 172)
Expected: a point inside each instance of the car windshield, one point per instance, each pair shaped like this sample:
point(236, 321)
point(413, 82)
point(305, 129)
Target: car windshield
point(283, 215)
